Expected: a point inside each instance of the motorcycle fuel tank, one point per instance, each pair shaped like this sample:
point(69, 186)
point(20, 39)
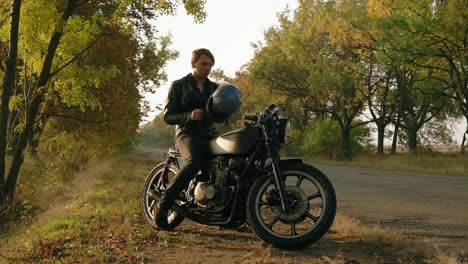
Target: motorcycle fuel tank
point(236, 142)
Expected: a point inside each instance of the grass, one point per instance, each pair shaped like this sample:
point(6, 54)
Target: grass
point(94, 221)
point(98, 220)
point(430, 162)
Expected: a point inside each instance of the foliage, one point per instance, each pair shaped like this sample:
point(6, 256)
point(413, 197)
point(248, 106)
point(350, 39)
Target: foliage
point(219, 76)
point(334, 59)
point(157, 133)
point(425, 40)
point(81, 65)
point(323, 138)
point(96, 132)
point(435, 132)
point(308, 60)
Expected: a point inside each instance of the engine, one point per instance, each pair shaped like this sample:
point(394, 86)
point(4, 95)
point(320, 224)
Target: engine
point(217, 189)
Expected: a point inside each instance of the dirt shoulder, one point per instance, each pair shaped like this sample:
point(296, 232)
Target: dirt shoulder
point(105, 226)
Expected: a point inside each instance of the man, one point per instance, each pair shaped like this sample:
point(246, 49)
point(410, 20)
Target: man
point(185, 103)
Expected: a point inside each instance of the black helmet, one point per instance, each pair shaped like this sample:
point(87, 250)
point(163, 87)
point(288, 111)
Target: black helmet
point(226, 100)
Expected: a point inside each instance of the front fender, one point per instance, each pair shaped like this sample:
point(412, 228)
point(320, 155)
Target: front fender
point(287, 161)
point(290, 162)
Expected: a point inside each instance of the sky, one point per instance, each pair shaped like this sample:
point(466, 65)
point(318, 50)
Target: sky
point(228, 32)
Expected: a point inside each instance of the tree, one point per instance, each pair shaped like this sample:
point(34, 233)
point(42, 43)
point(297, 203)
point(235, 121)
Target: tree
point(220, 77)
point(418, 105)
point(443, 29)
point(42, 80)
point(157, 133)
point(408, 28)
point(304, 59)
point(8, 85)
point(359, 32)
point(52, 57)
point(72, 136)
point(381, 102)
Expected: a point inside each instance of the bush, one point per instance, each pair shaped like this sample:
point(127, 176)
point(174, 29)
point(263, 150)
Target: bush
point(321, 139)
point(157, 134)
point(324, 139)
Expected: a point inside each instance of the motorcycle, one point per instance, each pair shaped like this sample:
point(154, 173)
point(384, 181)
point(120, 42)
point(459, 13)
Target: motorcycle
point(286, 202)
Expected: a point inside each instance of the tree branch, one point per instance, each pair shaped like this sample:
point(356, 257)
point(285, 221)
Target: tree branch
point(76, 118)
point(432, 116)
point(77, 5)
point(362, 123)
point(78, 55)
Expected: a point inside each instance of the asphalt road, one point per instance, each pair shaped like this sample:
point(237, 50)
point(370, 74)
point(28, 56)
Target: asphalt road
point(421, 204)
point(426, 205)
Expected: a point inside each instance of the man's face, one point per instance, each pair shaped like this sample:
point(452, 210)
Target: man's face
point(202, 67)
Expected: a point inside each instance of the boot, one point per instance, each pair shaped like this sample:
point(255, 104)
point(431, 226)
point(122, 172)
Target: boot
point(160, 217)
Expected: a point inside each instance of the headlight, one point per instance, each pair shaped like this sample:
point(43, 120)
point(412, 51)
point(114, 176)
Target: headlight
point(284, 128)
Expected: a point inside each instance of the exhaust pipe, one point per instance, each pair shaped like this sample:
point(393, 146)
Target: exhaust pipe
point(153, 194)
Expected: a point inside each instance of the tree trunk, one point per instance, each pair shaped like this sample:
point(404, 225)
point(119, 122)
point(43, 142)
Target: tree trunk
point(346, 143)
point(8, 87)
point(462, 147)
point(462, 151)
point(18, 156)
point(305, 117)
point(412, 139)
point(33, 110)
point(395, 136)
point(380, 138)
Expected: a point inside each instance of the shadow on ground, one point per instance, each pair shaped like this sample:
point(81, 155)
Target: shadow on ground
point(202, 244)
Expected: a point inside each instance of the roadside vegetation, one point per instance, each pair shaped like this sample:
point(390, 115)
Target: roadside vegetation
point(427, 162)
point(320, 142)
point(95, 217)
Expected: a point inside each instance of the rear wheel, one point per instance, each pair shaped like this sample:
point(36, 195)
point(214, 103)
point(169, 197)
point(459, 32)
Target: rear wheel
point(174, 219)
point(311, 207)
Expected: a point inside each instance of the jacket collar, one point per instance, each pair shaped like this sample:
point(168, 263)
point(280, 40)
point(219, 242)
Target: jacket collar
point(193, 81)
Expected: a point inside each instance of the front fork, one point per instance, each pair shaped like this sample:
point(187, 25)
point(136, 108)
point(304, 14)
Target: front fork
point(280, 186)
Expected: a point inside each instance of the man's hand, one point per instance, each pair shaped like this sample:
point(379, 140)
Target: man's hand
point(197, 114)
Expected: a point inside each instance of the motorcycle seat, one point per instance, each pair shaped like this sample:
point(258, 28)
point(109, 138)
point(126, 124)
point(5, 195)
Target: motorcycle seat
point(173, 150)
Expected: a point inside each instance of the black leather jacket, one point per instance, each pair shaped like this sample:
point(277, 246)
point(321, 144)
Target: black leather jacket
point(183, 98)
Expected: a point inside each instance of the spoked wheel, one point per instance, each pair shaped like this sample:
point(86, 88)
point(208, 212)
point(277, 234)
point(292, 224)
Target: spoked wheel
point(148, 203)
point(311, 207)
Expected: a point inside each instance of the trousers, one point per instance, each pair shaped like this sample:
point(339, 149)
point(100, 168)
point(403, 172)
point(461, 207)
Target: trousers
point(195, 150)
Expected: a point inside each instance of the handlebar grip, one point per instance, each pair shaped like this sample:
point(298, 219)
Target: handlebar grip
point(250, 117)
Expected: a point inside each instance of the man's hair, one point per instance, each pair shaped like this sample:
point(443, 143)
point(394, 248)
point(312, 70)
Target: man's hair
point(196, 54)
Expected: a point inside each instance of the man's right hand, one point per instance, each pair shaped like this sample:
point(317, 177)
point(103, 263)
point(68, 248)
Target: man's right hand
point(197, 114)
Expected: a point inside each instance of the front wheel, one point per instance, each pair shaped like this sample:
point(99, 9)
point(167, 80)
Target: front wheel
point(147, 202)
point(311, 207)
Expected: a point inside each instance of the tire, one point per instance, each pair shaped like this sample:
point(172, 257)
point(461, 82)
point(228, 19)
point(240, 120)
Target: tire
point(313, 207)
point(147, 203)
